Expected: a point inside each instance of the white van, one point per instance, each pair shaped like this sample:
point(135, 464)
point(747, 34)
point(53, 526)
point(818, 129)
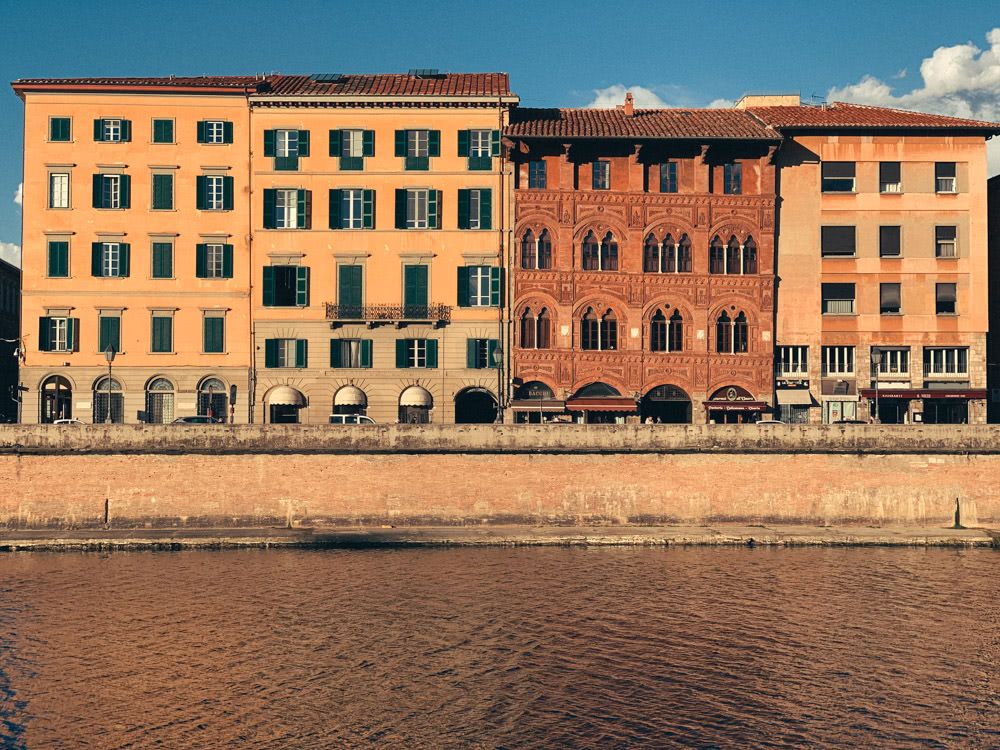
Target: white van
point(350, 419)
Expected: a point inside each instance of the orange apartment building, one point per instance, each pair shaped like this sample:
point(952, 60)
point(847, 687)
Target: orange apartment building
point(881, 263)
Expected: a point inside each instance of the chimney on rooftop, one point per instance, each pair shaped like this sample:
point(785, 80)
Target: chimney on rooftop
point(629, 107)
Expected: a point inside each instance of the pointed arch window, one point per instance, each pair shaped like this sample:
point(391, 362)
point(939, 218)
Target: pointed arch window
point(716, 256)
point(675, 333)
point(544, 330)
point(732, 334)
point(529, 250)
point(535, 330)
point(527, 329)
point(651, 255)
point(684, 254)
point(609, 253)
point(749, 255)
point(740, 334)
point(598, 333)
point(733, 256)
point(591, 253)
point(545, 250)
point(666, 335)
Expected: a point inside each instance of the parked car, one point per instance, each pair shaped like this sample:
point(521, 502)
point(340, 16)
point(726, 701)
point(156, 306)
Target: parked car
point(200, 419)
point(350, 419)
point(68, 421)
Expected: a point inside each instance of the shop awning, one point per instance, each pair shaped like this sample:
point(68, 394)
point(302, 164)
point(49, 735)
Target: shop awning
point(416, 396)
point(611, 403)
point(284, 395)
point(795, 397)
point(735, 405)
point(350, 395)
point(527, 404)
point(924, 392)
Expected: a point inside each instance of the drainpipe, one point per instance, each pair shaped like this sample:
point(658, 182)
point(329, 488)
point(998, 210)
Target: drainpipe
point(252, 372)
point(502, 339)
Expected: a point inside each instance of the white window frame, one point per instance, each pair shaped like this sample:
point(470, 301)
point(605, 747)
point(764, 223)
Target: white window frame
point(479, 142)
point(945, 357)
point(58, 189)
point(838, 361)
point(215, 131)
point(479, 286)
point(793, 360)
point(215, 192)
point(286, 143)
point(602, 169)
point(111, 190)
point(350, 353)
point(352, 208)
point(111, 130)
point(895, 362)
point(286, 208)
point(475, 208)
point(285, 355)
point(352, 143)
point(417, 209)
point(111, 259)
point(59, 334)
point(417, 143)
point(214, 258)
point(416, 352)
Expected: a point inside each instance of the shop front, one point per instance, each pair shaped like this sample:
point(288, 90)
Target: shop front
point(922, 405)
point(734, 405)
point(535, 403)
point(599, 403)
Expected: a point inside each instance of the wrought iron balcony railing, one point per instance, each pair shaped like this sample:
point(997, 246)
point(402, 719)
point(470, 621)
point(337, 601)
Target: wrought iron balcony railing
point(434, 313)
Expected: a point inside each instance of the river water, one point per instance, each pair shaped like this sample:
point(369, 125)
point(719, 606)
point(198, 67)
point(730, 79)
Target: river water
point(501, 648)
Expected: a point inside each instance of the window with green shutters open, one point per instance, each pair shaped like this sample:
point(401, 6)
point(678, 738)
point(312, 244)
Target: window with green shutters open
point(216, 132)
point(58, 334)
point(416, 353)
point(287, 209)
point(58, 259)
point(112, 191)
point(418, 209)
point(163, 260)
point(214, 334)
point(350, 353)
point(352, 208)
point(110, 260)
point(286, 286)
point(163, 131)
point(350, 291)
point(286, 147)
point(475, 208)
point(109, 333)
point(479, 146)
point(112, 130)
point(416, 147)
point(213, 260)
point(60, 129)
point(479, 353)
point(162, 339)
point(286, 353)
point(163, 192)
point(214, 192)
point(352, 146)
point(480, 286)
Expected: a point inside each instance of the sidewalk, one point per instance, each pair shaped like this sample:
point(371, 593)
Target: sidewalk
point(505, 536)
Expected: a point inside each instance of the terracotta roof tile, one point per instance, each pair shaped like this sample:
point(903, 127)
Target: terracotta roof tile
point(845, 115)
point(393, 84)
point(235, 82)
point(644, 123)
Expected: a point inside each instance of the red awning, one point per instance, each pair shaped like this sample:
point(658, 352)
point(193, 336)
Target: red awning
point(924, 393)
point(735, 405)
point(619, 403)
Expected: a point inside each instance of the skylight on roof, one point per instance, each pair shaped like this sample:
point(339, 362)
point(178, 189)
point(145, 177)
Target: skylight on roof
point(425, 73)
point(326, 77)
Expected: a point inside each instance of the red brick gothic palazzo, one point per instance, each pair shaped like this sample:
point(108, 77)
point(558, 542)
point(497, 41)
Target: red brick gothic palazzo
point(643, 269)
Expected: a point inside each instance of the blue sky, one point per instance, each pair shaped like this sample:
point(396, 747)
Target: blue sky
point(557, 53)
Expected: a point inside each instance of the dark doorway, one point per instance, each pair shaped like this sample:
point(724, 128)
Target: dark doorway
point(946, 411)
point(475, 406)
point(893, 410)
point(720, 416)
point(284, 414)
point(666, 404)
point(57, 400)
point(414, 415)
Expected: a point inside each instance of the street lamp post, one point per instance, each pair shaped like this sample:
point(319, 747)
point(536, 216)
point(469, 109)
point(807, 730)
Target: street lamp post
point(877, 361)
point(211, 404)
point(498, 361)
point(109, 354)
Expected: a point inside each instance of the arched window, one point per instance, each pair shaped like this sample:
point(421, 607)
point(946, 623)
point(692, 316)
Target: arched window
point(591, 253)
point(529, 250)
point(749, 256)
point(716, 256)
point(160, 401)
point(527, 329)
point(740, 336)
point(733, 256)
point(56, 399)
point(684, 255)
point(108, 393)
point(675, 338)
point(724, 333)
point(544, 250)
point(609, 253)
point(669, 255)
point(651, 255)
point(212, 398)
point(609, 331)
point(543, 337)
point(589, 330)
point(658, 332)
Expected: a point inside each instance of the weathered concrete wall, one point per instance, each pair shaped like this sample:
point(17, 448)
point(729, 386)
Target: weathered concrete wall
point(202, 476)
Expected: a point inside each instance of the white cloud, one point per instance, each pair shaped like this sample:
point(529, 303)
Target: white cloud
point(721, 104)
point(613, 96)
point(961, 81)
point(10, 253)
point(19, 194)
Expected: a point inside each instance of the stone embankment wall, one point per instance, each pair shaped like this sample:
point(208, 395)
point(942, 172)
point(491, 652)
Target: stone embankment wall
point(187, 475)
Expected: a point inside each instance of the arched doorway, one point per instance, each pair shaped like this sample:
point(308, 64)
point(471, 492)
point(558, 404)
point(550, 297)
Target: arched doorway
point(535, 403)
point(350, 400)
point(415, 404)
point(213, 400)
point(733, 405)
point(105, 396)
point(475, 406)
point(284, 404)
point(57, 399)
point(666, 404)
point(159, 401)
point(601, 403)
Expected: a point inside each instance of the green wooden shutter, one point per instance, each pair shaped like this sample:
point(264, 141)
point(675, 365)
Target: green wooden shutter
point(494, 143)
point(126, 131)
point(45, 334)
point(368, 143)
point(303, 143)
point(270, 352)
point(268, 286)
point(125, 187)
point(471, 349)
point(227, 193)
point(214, 335)
point(400, 143)
point(201, 260)
point(301, 353)
point(95, 259)
point(303, 208)
point(227, 261)
point(335, 352)
point(349, 286)
point(415, 286)
point(58, 260)
point(434, 143)
point(163, 261)
point(496, 286)
point(269, 143)
point(432, 352)
point(463, 286)
point(202, 131)
point(485, 209)
point(491, 347)
point(98, 183)
point(73, 334)
point(463, 142)
point(201, 192)
point(336, 197)
point(366, 352)
point(434, 209)
point(463, 208)
point(400, 208)
point(368, 209)
point(227, 132)
point(401, 353)
point(98, 130)
point(163, 191)
point(336, 142)
point(110, 334)
point(124, 259)
point(270, 209)
point(302, 286)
